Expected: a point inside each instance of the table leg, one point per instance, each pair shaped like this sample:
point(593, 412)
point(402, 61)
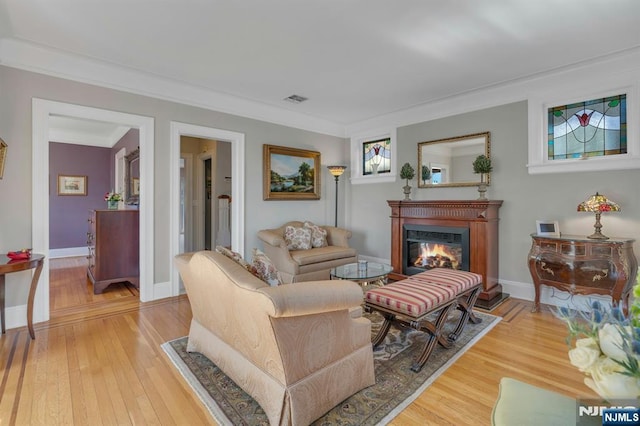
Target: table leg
point(2, 302)
point(32, 295)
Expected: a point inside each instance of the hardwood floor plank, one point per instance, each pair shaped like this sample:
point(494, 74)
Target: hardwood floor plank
point(99, 361)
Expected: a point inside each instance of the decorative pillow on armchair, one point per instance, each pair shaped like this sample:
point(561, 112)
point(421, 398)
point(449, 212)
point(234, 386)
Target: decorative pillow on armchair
point(266, 271)
point(318, 235)
point(237, 257)
point(297, 238)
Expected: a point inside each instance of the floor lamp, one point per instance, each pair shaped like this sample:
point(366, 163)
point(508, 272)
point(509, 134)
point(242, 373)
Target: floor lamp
point(336, 171)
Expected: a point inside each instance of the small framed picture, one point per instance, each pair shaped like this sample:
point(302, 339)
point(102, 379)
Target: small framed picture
point(548, 228)
point(72, 185)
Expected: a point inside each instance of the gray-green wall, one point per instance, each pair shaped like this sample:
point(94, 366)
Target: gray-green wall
point(526, 197)
point(17, 88)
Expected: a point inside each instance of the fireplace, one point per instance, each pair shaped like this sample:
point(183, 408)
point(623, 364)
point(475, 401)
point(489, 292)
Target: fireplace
point(426, 247)
point(475, 249)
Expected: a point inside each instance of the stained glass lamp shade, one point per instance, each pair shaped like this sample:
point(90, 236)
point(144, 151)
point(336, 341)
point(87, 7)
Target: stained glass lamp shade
point(597, 204)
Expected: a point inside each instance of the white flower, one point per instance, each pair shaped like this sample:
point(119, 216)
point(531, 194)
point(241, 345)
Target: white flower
point(610, 338)
point(585, 354)
point(607, 381)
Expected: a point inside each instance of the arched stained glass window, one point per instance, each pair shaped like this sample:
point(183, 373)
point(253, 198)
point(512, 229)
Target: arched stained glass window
point(376, 156)
point(593, 128)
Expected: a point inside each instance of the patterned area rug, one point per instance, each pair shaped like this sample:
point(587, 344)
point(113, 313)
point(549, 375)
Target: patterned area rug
point(396, 385)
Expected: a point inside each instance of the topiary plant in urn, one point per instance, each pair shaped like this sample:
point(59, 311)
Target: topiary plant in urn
point(482, 165)
point(407, 173)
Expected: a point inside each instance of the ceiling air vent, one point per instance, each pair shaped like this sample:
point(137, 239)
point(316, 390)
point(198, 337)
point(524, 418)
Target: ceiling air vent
point(295, 99)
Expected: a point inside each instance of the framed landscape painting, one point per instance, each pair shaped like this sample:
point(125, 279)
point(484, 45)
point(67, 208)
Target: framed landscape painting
point(290, 173)
point(72, 185)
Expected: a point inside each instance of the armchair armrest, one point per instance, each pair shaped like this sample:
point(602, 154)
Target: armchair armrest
point(338, 236)
point(312, 297)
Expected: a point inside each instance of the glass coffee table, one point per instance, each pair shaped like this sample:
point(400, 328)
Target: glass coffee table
point(366, 274)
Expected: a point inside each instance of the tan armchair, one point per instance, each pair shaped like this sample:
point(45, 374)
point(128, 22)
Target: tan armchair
point(311, 264)
point(298, 349)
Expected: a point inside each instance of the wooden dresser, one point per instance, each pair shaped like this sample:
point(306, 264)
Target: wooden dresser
point(579, 265)
point(113, 240)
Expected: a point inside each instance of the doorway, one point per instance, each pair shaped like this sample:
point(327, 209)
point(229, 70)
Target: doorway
point(208, 186)
point(42, 111)
point(234, 179)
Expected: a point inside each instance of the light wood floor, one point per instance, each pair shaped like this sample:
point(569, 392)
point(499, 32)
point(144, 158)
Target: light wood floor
point(98, 361)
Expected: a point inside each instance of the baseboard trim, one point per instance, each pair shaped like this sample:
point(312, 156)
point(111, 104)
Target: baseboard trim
point(550, 295)
point(68, 252)
point(15, 316)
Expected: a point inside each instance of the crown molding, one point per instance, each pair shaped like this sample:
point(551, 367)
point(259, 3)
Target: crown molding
point(582, 74)
point(30, 57)
point(43, 60)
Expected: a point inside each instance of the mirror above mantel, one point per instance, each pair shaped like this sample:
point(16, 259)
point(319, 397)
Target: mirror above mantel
point(450, 160)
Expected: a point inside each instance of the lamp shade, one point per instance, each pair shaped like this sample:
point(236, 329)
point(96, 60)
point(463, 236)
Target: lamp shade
point(336, 170)
point(598, 203)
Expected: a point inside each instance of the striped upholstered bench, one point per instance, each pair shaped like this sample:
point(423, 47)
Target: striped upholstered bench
point(410, 302)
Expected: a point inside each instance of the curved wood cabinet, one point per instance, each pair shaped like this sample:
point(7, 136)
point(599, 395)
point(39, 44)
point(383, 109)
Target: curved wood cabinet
point(113, 240)
point(580, 265)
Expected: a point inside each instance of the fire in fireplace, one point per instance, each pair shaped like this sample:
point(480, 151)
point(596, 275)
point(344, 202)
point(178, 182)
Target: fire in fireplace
point(426, 247)
point(438, 256)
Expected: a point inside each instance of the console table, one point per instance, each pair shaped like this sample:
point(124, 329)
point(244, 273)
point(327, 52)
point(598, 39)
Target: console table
point(579, 265)
point(7, 266)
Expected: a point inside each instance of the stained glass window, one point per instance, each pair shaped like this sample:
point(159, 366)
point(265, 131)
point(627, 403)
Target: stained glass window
point(376, 156)
point(593, 128)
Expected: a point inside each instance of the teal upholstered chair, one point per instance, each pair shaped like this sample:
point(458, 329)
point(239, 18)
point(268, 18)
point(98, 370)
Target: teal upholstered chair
point(522, 404)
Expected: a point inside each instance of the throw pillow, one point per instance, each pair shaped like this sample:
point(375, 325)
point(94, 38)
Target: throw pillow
point(237, 257)
point(297, 238)
point(266, 270)
point(318, 235)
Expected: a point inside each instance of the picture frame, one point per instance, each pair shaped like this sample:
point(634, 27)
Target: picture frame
point(548, 228)
point(3, 156)
point(290, 173)
point(72, 185)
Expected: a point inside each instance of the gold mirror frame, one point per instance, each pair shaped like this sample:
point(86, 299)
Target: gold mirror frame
point(3, 156)
point(455, 157)
point(132, 177)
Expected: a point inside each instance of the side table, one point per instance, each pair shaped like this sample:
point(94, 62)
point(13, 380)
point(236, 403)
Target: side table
point(580, 265)
point(373, 274)
point(7, 266)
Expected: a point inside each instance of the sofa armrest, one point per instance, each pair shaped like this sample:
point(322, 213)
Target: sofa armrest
point(272, 238)
point(276, 250)
point(312, 297)
point(337, 236)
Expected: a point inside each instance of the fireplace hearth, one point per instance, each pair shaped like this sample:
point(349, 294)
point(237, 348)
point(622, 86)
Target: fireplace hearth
point(426, 247)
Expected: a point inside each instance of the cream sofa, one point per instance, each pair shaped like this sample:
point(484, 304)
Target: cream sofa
point(298, 349)
point(311, 264)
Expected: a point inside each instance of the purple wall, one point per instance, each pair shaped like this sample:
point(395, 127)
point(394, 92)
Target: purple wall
point(68, 213)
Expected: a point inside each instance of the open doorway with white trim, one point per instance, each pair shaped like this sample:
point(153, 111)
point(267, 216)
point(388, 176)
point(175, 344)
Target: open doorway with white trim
point(225, 150)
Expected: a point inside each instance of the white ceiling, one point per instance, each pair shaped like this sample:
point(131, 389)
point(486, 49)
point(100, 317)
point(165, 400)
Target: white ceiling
point(85, 132)
point(354, 59)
